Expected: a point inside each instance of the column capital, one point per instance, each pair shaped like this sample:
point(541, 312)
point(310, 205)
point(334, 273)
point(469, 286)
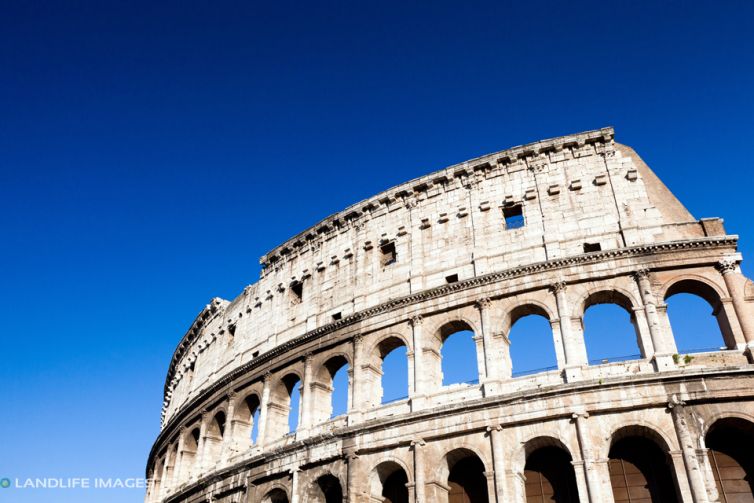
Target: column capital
point(641, 274)
point(267, 377)
point(416, 321)
point(559, 286)
point(483, 303)
point(579, 415)
point(727, 265)
point(308, 358)
point(494, 427)
point(418, 442)
point(675, 403)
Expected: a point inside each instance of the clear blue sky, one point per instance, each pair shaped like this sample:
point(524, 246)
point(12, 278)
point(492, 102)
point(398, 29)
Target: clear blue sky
point(150, 152)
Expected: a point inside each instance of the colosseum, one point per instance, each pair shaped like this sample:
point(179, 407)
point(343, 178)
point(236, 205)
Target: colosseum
point(546, 229)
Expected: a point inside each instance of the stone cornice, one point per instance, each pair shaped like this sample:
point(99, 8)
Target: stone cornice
point(343, 219)
point(487, 279)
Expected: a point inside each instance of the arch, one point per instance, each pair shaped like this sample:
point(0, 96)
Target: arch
point(708, 291)
point(189, 458)
point(392, 383)
point(693, 284)
point(640, 467)
point(730, 452)
point(463, 472)
point(388, 482)
point(529, 308)
point(528, 338)
point(276, 495)
point(548, 472)
point(246, 420)
point(325, 489)
point(283, 411)
point(329, 399)
point(599, 347)
point(459, 364)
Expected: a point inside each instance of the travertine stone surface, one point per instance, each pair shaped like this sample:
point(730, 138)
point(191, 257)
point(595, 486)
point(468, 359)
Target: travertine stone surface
point(433, 255)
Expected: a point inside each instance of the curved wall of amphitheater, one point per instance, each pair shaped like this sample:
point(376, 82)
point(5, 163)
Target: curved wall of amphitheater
point(589, 223)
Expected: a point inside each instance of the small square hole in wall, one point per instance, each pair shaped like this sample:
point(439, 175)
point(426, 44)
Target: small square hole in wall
point(453, 278)
point(336, 316)
point(389, 256)
point(255, 354)
point(592, 247)
point(297, 292)
point(514, 216)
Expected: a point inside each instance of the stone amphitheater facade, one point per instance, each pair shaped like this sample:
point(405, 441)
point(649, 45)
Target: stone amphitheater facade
point(423, 260)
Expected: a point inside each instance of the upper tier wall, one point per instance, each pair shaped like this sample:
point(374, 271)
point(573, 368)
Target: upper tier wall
point(574, 190)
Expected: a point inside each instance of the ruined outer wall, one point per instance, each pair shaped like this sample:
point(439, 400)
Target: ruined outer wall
point(574, 190)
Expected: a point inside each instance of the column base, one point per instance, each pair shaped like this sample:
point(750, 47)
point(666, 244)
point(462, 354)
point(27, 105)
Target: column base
point(491, 387)
point(573, 373)
point(663, 362)
point(418, 402)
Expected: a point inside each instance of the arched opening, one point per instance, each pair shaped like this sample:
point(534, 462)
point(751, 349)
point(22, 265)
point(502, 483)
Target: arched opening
point(393, 383)
point(328, 489)
point(276, 496)
point(189, 458)
point(697, 319)
point(531, 343)
point(730, 444)
point(283, 410)
point(246, 422)
point(467, 482)
point(214, 437)
point(640, 470)
point(330, 391)
point(159, 466)
point(389, 481)
point(609, 328)
point(549, 474)
point(292, 385)
point(458, 354)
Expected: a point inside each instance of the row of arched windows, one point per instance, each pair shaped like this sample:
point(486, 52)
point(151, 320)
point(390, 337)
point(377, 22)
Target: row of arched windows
point(639, 465)
point(609, 331)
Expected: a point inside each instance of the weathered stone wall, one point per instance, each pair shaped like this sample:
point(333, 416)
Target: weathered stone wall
point(598, 227)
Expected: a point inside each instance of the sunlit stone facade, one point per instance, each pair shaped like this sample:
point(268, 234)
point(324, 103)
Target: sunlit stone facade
point(550, 228)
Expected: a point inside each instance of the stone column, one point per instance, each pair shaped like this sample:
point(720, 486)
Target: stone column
point(356, 388)
point(734, 282)
point(355, 492)
point(702, 456)
point(498, 463)
point(263, 412)
point(294, 485)
point(202, 454)
point(305, 412)
point(575, 353)
point(693, 470)
point(493, 367)
point(662, 341)
point(229, 439)
point(419, 473)
point(678, 468)
point(594, 473)
point(179, 463)
point(419, 379)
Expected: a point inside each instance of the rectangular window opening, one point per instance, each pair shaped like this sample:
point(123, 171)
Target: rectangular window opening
point(453, 278)
point(592, 247)
point(389, 256)
point(514, 216)
point(297, 292)
point(336, 316)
